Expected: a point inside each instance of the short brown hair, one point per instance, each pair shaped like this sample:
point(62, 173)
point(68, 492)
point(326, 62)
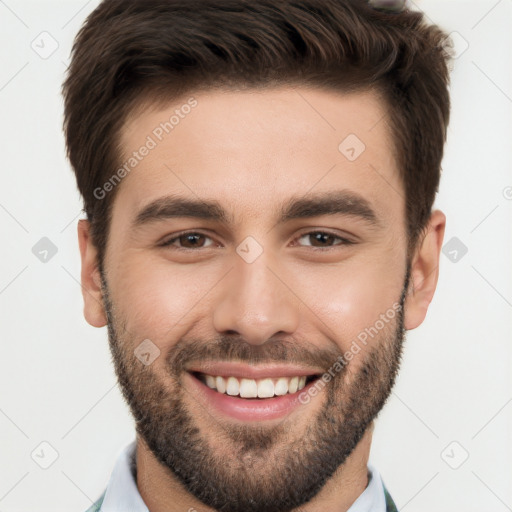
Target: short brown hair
point(158, 50)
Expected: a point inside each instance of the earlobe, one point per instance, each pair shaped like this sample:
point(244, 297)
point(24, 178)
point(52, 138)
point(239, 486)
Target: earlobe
point(424, 271)
point(94, 312)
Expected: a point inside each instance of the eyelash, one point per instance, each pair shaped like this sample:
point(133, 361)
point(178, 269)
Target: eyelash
point(344, 241)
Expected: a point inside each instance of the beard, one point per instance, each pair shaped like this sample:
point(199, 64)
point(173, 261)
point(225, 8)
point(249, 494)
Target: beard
point(260, 468)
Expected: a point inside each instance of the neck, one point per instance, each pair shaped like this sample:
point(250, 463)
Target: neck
point(162, 492)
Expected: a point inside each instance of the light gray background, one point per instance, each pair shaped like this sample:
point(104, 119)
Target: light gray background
point(454, 394)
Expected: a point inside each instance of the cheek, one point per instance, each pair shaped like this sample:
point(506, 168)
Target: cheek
point(351, 298)
point(157, 300)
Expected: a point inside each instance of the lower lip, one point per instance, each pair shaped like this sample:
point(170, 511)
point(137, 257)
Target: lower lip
point(245, 409)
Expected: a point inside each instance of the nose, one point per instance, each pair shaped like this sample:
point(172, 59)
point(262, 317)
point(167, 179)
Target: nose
point(255, 301)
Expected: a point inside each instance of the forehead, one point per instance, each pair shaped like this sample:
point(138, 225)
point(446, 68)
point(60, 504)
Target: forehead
point(253, 148)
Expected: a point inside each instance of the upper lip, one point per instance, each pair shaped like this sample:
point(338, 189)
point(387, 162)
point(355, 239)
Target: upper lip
point(239, 370)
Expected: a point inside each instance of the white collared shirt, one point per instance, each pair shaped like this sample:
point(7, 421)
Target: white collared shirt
point(122, 494)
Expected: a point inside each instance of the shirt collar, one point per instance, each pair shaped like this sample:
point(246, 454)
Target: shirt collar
point(372, 498)
point(122, 494)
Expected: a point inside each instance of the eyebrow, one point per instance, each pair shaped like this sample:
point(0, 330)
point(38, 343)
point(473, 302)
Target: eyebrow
point(342, 202)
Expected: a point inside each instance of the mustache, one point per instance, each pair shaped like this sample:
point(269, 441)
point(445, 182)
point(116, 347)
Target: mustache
point(236, 349)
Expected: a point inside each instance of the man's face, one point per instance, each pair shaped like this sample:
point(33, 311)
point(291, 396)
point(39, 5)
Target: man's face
point(264, 287)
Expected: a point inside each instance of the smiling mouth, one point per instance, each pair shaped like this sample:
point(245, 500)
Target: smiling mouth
point(255, 388)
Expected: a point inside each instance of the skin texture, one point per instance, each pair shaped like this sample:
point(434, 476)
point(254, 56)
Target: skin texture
point(302, 299)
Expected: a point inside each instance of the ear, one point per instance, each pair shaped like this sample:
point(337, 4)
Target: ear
point(424, 271)
point(90, 276)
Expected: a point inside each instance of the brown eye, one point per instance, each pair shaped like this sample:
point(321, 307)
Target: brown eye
point(322, 239)
point(190, 240)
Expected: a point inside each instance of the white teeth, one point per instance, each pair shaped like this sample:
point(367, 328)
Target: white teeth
point(293, 384)
point(281, 386)
point(233, 387)
point(221, 384)
point(265, 388)
point(210, 382)
point(250, 388)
